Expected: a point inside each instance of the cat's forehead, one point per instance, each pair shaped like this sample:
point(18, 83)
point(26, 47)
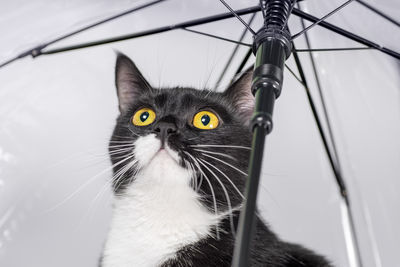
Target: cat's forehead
point(180, 99)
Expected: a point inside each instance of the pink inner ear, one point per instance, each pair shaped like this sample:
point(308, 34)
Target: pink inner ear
point(126, 96)
point(129, 81)
point(246, 105)
point(244, 99)
point(126, 89)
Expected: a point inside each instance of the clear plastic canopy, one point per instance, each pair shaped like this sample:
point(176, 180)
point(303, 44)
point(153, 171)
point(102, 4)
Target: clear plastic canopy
point(57, 113)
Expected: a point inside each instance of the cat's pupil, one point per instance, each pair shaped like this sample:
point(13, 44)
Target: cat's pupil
point(144, 116)
point(205, 119)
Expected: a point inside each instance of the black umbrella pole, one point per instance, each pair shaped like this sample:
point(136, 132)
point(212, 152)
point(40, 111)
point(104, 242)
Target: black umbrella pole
point(272, 45)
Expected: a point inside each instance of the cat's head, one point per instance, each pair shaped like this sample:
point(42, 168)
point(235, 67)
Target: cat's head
point(201, 131)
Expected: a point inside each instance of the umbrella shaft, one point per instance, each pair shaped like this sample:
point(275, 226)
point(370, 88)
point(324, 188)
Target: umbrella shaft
point(272, 51)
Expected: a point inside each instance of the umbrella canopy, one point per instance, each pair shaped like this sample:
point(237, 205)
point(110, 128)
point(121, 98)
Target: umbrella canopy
point(57, 113)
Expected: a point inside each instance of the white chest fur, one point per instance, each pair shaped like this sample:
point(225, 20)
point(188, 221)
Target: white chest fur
point(159, 214)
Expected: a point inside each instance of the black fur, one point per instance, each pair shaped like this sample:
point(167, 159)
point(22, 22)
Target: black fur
point(178, 106)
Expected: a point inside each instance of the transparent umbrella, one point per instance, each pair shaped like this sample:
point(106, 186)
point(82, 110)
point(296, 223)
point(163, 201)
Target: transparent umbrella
point(57, 112)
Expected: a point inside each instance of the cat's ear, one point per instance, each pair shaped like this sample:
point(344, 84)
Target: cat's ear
point(129, 81)
point(239, 94)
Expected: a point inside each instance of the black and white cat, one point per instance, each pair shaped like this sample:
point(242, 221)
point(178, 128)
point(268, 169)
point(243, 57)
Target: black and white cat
point(180, 157)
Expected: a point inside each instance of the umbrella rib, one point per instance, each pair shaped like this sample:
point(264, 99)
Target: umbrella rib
point(333, 157)
point(345, 33)
point(243, 63)
point(295, 76)
point(38, 49)
point(234, 52)
point(335, 168)
point(162, 29)
point(217, 37)
point(104, 21)
point(334, 49)
point(238, 17)
point(263, 4)
point(380, 13)
point(322, 19)
point(218, 17)
point(318, 82)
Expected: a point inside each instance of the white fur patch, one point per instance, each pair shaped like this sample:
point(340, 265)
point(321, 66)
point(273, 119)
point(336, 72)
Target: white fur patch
point(159, 214)
point(146, 148)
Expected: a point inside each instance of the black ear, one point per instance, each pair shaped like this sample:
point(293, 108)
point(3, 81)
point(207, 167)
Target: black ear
point(239, 94)
point(129, 81)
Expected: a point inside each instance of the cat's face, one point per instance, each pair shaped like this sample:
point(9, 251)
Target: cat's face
point(201, 131)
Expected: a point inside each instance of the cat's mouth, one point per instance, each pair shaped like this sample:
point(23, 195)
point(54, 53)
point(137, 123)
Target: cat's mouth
point(148, 148)
point(167, 151)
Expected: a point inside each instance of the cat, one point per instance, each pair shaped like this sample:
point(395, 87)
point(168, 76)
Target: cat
point(179, 158)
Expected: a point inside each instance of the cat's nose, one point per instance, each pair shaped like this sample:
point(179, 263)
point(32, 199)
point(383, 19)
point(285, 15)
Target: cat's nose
point(163, 129)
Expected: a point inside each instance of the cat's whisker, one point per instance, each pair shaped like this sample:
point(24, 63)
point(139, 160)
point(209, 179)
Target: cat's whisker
point(209, 76)
point(101, 191)
point(120, 154)
point(130, 130)
point(122, 172)
point(134, 173)
point(226, 163)
point(119, 151)
point(196, 162)
point(92, 157)
point(198, 182)
point(112, 149)
point(90, 180)
point(216, 153)
point(193, 138)
point(116, 150)
point(228, 200)
point(209, 92)
point(119, 174)
point(193, 183)
point(121, 141)
point(116, 142)
point(234, 186)
point(224, 146)
point(214, 202)
point(122, 145)
point(92, 160)
point(123, 137)
point(91, 209)
point(193, 174)
point(117, 177)
point(119, 157)
point(193, 177)
point(189, 168)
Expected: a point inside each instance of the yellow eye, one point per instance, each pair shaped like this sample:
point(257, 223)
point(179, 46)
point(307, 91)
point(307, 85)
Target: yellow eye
point(205, 120)
point(143, 117)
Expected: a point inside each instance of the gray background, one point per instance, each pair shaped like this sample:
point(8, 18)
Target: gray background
point(57, 113)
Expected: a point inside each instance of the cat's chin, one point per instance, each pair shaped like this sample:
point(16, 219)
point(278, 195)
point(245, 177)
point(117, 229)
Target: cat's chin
point(148, 148)
point(172, 153)
point(166, 154)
